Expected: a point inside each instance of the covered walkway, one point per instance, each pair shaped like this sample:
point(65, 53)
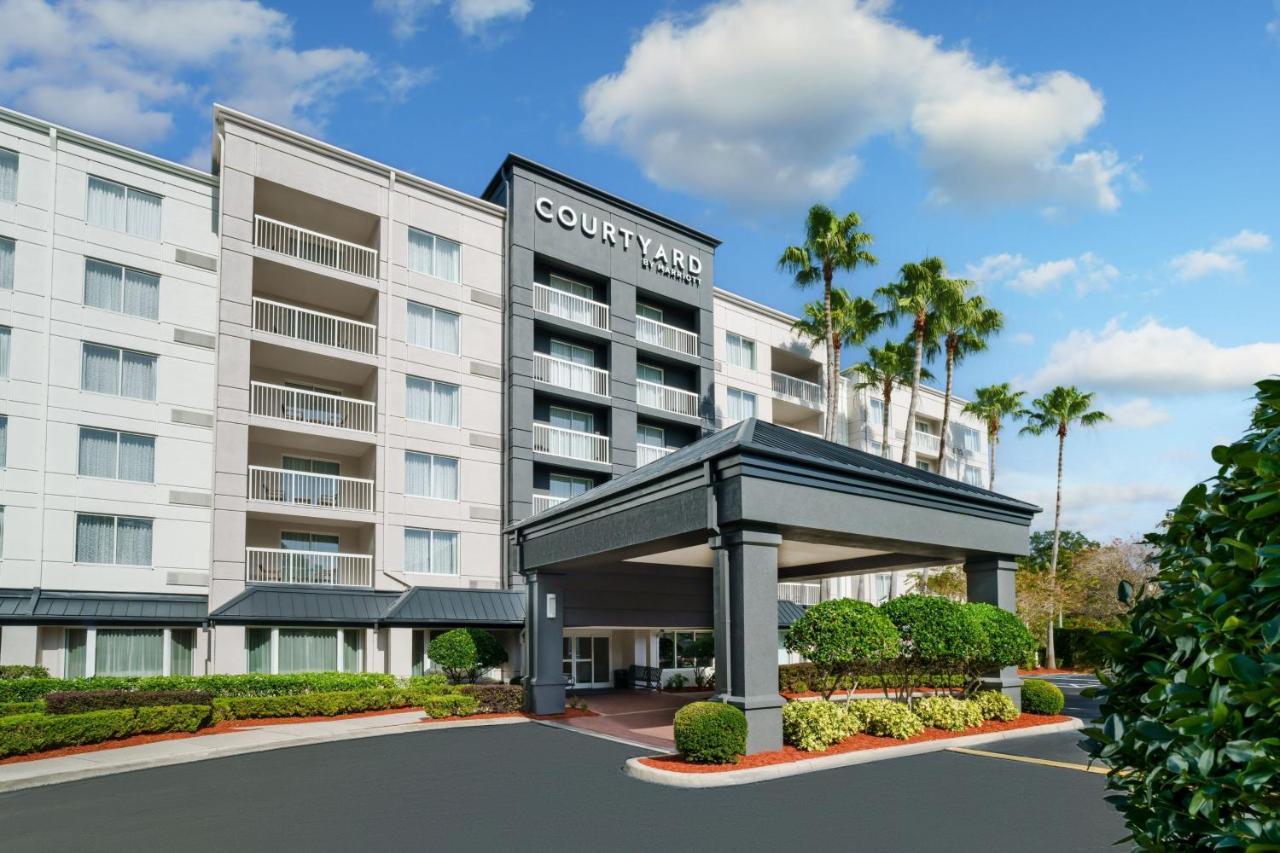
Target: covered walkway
point(635, 715)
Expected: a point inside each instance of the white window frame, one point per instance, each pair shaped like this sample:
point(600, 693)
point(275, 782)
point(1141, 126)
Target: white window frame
point(117, 433)
point(435, 238)
point(574, 288)
point(744, 344)
point(656, 309)
point(91, 648)
point(640, 428)
point(977, 478)
point(115, 540)
point(572, 347)
point(119, 351)
point(742, 396)
point(127, 191)
point(13, 242)
point(457, 552)
point(431, 464)
point(17, 168)
point(123, 269)
point(341, 644)
point(433, 383)
point(662, 373)
point(572, 480)
point(591, 418)
point(434, 311)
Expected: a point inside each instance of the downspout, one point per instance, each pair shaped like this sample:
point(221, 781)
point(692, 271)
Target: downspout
point(217, 336)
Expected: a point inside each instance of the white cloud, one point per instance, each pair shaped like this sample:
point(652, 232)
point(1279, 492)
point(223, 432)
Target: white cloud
point(994, 268)
point(1154, 359)
point(1100, 509)
point(1087, 273)
point(1245, 241)
point(1224, 257)
point(766, 102)
point(406, 15)
point(1137, 413)
point(470, 16)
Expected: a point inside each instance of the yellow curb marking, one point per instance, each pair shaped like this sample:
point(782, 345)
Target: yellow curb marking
point(1027, 759)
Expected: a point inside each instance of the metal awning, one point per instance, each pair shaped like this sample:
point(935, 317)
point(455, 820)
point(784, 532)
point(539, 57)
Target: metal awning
point(481, 607)
point(301, 605)
point(59, 607)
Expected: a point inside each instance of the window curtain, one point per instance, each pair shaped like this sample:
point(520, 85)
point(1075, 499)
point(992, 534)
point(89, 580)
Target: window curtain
point(444, 478)
point(95, 538)
point(137, 457)
point(308, 650)
point(417, 474)
point(8, 176)
point(182, 651)
point(352, 650)
point(133, 541)
point(419, 651)
point(445, 331)
point(4, 441)
point(106, 205)
point(257, 645)
point(417, 403)
point(100, 369)
point(444, 553)
point(421, 245)
point(143, 214)
point(418, 329)
point(129, 651)
point(97, 453)
point(74, 643)
point(141, 294)
point(138, 376)
point(102, 284)
point(8, 251)
point(444, 404)
point(417, 550)
point(5, 346)
point(448, 260)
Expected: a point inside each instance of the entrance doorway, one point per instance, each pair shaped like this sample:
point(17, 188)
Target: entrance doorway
point(586, 662)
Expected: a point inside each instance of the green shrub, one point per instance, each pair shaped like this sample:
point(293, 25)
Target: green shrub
point(465, 653)
point(13, 670)
point(1008, 642)
point(253, 684)
point(842, 638)
point(20, 735)
point(453, 705)
point(432, 683)
point(815, 726)
point(495, 698)
point(711, 732)
point(333, 704)
point(9, 709)
point(81, 702)
point(1041, 697)
point(801, 677)
point(886, 718)
point(948, 714)
point(996, 706)
point(938, 636)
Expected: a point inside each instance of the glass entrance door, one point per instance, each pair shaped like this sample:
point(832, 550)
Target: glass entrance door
point(586, 662)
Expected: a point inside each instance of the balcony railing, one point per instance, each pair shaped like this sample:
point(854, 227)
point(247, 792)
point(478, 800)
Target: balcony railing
point(924, 442)
point(800, 593)
point(800, 391)
point(302, 488)
point(569, 306)
point(570, 443)
point(646, 453)
point(311, 407)
point(318, 568)
point(314, 247)
point(666, 398)
point(303, 324)
point(668, 337)
point(545, 502)
point(570, 374)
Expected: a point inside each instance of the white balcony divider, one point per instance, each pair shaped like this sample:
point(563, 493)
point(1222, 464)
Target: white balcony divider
point(569, 374)
point(317, 568)
point(668, 337)
point(800, 391)
point(302, 488)
point(666, 398)
point(312, 246)
point(303, 324)
point(569, 306)
point(800, 593)
point(646, 453)
point(311, 407)
point(542, 503)
point(570, 443)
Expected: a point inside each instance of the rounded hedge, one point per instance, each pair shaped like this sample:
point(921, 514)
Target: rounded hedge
point(464, 653)
point(1009, 643)
point(949, 714)
point(711, 733)
point(842, 637)
point(815, 726)
point(886, 718)
point(1041, 697)
point(996, 706)
point(937, 633)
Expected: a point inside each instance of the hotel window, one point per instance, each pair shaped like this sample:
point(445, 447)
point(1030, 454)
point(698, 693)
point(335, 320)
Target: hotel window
point(113, 540)
point(649, 373)
point(429, 476)
point(434, 255)
point(122, 290)
point(966, 439)
point(742, 405)
point(8, 254)
point(119, 372)
point(421, 647)
point(973, 476)
point(8, 175)
point(433, 552)
point(651, 436)
point(128, 651)
point(286, 650)
point(649, 312)
point(4, 441)
point(884, 585)
point(679, 649)
point(741, 351)
point(572, 352)
point(117, 455)
point(123, 208)
point(924, 465)
point(577, 288)
point(875, 412)
point(564, 486)
point(571, 419)
point(433, 328)
point(431, 402)
point(6, 336)
point(875, 448)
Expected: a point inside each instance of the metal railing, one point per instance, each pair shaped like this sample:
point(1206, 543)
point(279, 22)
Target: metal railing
point(646, 453)
point(570, 443)
point(569, 374)
point(545, 502)
point(666, 398)
point(314, 247)
point(665, 336)
point(797, 390)
point(569, 306)
point(303, 488)
point(303, 324)
point(311, 407)
point(927, 442)
point(317, 568)
point(800, 593)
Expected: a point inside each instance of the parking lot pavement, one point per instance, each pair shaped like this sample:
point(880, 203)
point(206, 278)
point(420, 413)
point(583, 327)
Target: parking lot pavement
point(539, 788)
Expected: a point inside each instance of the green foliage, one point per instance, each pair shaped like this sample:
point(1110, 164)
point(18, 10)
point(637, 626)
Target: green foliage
point(27, 733)
point(938, 635)
point(814, 726)
point(1008, 642)
point(948, 714)
point(254, 684)
point(465, 653)
point(1191, 691)
point(676, 681)
point(1070, 544)
point(995, 705)
point(803, 677)
point(495, 698)
point(431, 683)
point(342, 702)
point(9, 709)
point(843, 638)
point(22, 671)
point(1076, 648)
point(711, 733)
point(1041, 697)
point(886, 718)
point(83, 701)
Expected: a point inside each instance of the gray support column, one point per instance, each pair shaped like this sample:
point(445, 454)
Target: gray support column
point(544, 623)
point(991, 580)
point(746, 623)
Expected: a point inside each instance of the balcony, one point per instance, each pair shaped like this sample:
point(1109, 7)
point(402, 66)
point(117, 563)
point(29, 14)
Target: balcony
point(666, 398)
point(542, 503)
point(313, 568)
point(301, 488)
point(570, 443)
point(800, 593)
point(646, 453)
point(799, 391)
point(569, 306)
point(570, 374)
point(668, 337)
point(303, 324)
point(311, 407)
point(314, 247)
point(924, 442)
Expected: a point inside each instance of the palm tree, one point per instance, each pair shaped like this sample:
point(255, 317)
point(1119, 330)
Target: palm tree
point(831, 243)
point(886, 366)
point(917, 293)
point(993, 404)
point(1055, 412)
point(964, 323)
point(856, 318)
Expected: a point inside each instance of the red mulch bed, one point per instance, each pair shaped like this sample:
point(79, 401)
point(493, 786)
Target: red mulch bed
point(857, 743)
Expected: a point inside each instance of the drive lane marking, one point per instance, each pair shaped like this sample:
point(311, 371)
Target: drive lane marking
point(1027, 759)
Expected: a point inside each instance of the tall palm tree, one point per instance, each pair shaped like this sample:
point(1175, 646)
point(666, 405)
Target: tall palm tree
point(831, 243)
point(855, 319)
point(964, 323)
point(1055, 412)
point(917, 293)
point(886, 367)
point(993, 404)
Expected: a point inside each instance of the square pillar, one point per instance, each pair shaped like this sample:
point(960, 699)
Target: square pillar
point(746, 623)
point(544, 672)
point(990, 580)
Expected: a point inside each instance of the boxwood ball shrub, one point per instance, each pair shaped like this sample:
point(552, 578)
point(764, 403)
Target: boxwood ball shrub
point(464, 653)
point(949, 714)
point(1190, 700)
point(996, 706)
point(842, 638)
point(1008, 642)
point(886, 718)
point(938, 635)
point(815, 726)
point(1041, 697)
point(711, 733)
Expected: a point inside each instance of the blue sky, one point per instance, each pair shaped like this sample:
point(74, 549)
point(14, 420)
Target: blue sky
point(1106, 171)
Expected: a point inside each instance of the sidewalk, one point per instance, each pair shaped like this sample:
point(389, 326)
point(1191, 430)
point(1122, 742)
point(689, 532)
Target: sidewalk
point(49, 771)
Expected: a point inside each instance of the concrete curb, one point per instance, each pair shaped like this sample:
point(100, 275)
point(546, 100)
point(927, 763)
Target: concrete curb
point(643, 772)
point(285, 742)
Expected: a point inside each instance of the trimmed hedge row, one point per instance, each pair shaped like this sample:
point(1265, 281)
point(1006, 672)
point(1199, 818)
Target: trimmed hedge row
point(340, 702)
point(495, 698)
point(17, 670)
point(20, 735)
point(802, 677)
point(30, 689)
point(10, 709)
point(84, 701)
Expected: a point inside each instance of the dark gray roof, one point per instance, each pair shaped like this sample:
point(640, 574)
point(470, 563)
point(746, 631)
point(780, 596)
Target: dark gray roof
point(63, 607)
point(431, 606)
point(304, 605)
point(15, 602)
point(788, 612)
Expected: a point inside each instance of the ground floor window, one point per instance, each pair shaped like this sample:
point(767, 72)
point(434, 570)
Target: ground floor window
point(685, 649)
point(285, 650)
point(421, 658)
point(128, 651)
